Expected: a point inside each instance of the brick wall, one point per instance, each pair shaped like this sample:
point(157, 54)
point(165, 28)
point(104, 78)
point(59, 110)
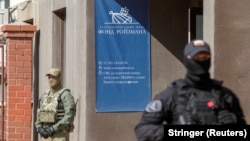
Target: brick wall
point(18, 115)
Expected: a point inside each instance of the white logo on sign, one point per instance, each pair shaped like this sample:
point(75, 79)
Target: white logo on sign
point(122, 17)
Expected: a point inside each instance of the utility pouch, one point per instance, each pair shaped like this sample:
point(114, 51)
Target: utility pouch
point(47, 117)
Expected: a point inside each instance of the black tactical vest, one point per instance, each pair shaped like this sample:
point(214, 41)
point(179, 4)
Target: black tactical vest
point(197, 107)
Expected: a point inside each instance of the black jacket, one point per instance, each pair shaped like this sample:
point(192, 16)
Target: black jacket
point(160, 112)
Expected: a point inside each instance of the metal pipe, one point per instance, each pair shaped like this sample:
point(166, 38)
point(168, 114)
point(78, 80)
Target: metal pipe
point(3, 86)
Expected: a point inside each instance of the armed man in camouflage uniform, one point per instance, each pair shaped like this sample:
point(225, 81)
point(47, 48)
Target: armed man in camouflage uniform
point(56, 110)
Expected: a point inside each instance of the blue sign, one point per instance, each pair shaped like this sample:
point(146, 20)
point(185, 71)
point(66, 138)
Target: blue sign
point(123, 81)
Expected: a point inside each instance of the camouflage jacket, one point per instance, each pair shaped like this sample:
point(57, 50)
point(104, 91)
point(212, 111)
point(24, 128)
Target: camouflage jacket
point(69, 107)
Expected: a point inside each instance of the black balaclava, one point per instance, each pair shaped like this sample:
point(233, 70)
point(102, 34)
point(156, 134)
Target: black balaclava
point(197, 72)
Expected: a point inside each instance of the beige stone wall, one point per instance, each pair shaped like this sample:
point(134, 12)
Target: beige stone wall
point(226, 24)
point(231, 45)
point(168, 37)
point(23, 11)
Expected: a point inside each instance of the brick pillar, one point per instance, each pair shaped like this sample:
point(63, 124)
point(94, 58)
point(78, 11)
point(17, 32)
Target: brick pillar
point(18, 116)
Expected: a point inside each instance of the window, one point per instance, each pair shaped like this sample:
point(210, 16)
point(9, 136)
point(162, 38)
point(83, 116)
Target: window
point(195, 23)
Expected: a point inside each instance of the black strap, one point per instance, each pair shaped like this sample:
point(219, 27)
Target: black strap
point(59, 99)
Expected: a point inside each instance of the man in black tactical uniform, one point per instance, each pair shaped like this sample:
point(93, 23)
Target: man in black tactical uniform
point(195, 100)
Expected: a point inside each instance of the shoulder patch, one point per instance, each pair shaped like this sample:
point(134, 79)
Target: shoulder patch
point(154, 106)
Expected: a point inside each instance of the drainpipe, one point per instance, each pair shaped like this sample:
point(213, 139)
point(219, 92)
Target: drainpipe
point(2, 44)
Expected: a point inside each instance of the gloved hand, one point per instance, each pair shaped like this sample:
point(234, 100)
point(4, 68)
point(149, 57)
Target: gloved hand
point(49, 131)
point(226, 117)
point(42, 132)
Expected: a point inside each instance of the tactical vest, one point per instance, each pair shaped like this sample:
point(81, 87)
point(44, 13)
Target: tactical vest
point(198, 107)
point(51, 109)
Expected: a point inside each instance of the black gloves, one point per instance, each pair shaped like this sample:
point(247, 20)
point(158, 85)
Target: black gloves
point(42, 132)
point(49, 131)
point(226, 117)
point(46, 132)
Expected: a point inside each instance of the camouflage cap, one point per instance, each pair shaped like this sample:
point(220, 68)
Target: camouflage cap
point(54, 72)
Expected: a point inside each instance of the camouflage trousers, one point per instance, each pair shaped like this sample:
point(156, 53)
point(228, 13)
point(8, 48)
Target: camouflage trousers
point(58, 136)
